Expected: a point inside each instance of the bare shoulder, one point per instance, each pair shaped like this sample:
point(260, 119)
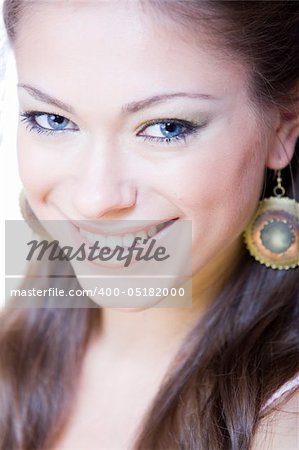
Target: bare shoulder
point(280, 430)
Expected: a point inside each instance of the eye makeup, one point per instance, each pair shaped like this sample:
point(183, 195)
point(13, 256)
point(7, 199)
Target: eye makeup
point(171, 130)
point(33, 120)
point(161, 131)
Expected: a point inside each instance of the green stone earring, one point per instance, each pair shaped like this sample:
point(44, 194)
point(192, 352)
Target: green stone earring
point(272, 235)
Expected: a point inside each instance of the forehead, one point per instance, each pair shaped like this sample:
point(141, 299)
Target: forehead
point(117, 48)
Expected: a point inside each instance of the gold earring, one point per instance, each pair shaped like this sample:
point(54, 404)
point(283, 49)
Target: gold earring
point(272, 235)
point(29, 216)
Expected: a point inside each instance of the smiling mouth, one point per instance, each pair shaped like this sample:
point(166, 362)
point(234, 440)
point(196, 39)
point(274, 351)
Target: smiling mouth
point(125, 240)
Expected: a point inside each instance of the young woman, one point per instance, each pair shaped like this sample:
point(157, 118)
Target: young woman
point(159, 110)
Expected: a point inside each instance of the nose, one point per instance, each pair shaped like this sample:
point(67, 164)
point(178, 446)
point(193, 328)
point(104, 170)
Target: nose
point(103, 185)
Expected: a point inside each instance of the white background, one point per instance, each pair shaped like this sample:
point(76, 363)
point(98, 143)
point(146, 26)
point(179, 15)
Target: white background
point(10, 184)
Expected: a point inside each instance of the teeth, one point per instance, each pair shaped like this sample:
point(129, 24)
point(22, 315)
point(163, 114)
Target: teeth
point(123, 241)
point(152, 231)
point(113, 241)
point(128, 240)
point(102, 239)
point(143, 235)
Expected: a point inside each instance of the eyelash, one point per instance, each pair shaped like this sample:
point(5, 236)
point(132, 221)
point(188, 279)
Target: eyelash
point(190, 128)
point(28, 118)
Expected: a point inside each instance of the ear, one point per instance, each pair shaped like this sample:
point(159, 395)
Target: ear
point(283, 147)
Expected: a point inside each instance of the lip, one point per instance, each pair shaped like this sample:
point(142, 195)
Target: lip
point(75, 232)
point(91, 227)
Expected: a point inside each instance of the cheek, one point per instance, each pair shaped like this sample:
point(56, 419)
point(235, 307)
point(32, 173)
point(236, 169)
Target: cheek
point(220, 191)
point(40, 168)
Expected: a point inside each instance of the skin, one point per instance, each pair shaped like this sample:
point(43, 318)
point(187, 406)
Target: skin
point(104, 170)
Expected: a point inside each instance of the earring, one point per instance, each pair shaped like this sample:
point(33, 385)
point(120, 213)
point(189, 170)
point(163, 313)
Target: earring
point(272, 235)
point(29, 216)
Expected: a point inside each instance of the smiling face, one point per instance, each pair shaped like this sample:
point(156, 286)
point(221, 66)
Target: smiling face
point(122, 119)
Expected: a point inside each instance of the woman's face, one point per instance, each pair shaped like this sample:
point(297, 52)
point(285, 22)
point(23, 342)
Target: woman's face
point(124, 119)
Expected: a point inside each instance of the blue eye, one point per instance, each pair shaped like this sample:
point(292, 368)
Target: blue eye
point(55, 122)
point(47, 123)
point(168, 131)
point(171, 129)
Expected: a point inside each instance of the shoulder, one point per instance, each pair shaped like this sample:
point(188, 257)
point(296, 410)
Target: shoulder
point(279, 429)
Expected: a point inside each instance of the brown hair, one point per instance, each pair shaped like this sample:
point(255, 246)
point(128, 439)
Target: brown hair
point(236, 356)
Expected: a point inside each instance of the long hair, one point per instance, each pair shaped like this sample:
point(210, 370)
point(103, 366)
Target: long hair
point(247, 343)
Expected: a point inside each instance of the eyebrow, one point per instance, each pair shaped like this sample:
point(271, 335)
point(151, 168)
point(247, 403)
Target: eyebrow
point(137, 106)
point(46, 98)
point(132, 107)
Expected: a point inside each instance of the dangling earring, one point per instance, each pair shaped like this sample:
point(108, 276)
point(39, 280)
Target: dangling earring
point(29, 216)
point(272, 235)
